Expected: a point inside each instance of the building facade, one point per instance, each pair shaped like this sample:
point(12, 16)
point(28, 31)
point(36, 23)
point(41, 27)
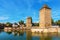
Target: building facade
point(45, 17)
point(29, 22)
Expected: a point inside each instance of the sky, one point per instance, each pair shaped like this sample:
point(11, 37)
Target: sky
point(16, 10)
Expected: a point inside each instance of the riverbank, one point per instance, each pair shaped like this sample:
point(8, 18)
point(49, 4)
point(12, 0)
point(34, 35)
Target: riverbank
point(34, 29)
point(46, 30)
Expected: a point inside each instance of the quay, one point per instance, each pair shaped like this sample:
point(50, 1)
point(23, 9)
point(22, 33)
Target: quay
point(34, 29)
point(45, 23)
point(46, 30)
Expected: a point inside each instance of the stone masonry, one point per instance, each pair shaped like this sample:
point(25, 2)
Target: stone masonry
point(29, 22)
point(45, 17)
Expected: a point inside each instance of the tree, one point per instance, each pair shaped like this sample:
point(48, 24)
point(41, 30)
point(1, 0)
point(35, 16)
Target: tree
point(8, 24)
point(58, 22)
point(35, 24)
point(21, 22)
point(1, 25)
point(52, 21)
point(15, 23)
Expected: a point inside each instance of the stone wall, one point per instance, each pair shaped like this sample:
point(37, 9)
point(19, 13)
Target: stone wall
point(45, 17)
point(45, 30)
point(29, 22)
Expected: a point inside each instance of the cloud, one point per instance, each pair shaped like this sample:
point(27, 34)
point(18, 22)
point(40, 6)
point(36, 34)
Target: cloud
point(56, 13)
point(4, 17)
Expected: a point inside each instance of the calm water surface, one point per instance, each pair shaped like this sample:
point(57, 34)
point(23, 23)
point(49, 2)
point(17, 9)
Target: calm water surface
point(27, 35)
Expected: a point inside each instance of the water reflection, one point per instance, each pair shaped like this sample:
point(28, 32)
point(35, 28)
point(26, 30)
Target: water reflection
point(16, 33)
point(28, 35)
point(45, 37)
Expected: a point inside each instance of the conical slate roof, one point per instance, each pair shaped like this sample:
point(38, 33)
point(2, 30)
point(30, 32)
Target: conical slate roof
point(45, 6)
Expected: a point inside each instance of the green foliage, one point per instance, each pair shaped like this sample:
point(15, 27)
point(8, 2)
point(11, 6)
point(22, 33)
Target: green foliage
point(35, 24)
point(58, 22)
point(15, 23)
point(21, 22)
point(55, 23)
point(8, 24)
point(52, 21)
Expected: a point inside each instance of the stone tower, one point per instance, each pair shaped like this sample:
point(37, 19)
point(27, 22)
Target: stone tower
point(29, 22)
point(45, 17)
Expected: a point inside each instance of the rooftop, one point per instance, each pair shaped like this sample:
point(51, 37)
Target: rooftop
point(45, 6)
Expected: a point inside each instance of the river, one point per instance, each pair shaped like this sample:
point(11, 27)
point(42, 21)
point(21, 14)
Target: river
point(27, 35)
